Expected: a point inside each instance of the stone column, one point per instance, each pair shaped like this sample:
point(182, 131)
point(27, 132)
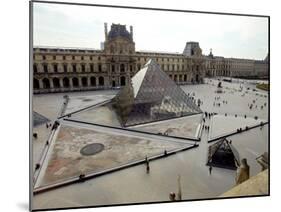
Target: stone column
point(88, 81)
point(70, 83)
point(107, 81)
point(61, 83)
point(80, 82)
point(40, 84)
point(51, 83)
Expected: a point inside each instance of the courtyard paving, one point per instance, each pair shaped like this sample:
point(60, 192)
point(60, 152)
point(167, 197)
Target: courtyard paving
point(133, 184)
point(66, 160)
point(185, 127)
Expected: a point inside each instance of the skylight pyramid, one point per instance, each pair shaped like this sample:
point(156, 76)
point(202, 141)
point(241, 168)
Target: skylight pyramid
point(152, 96)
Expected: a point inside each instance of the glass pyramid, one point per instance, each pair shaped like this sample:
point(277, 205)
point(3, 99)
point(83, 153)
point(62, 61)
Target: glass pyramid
point(152, 96)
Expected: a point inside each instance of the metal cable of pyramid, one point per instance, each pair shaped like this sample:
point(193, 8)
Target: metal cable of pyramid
point(152, 96)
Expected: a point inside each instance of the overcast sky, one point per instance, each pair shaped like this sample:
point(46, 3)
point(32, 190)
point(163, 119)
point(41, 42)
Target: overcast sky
point(83, 26)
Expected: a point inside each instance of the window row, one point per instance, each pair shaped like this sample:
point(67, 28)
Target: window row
point(161, 59)
point(66, 82)
point(73, 57)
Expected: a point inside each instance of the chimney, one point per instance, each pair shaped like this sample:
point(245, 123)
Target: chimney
point(131, 32)
point(105, 31)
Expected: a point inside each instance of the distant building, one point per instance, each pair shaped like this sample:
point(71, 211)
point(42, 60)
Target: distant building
point(235, 67)
point(57, 69)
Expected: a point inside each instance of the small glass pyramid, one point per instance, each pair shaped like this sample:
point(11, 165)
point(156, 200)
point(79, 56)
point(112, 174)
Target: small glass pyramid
point(152, 96)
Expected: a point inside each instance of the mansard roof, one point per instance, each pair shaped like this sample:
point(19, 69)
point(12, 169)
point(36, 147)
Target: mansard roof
point(118, 30)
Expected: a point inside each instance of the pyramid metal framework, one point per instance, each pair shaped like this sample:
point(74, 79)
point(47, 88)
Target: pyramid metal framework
point(223, 154)
point(152, 96)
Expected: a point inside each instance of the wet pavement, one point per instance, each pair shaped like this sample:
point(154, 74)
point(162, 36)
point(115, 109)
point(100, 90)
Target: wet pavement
point(133, 184)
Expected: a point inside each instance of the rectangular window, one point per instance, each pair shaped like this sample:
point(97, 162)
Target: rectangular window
point(65, 68)
point(55, 68)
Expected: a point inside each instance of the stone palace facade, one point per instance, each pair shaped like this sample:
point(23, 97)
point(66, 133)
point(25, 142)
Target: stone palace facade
point(68, 69)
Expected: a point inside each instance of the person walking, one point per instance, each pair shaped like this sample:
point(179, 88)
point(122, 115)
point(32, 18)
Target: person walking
point(210, 170)
point(147, 167)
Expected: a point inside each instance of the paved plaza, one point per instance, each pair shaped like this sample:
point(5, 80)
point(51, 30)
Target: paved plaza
point(66, 161)
point(239, 105)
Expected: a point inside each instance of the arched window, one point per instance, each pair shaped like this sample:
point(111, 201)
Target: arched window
point(74, 67)
point(197, 78)
point(122, 68)
point(93, 81)
point(101, 81)
point(84, 81)
point(35, 83)
point(123, 81)
point(55, 68)
point(45, 67)
point(56, 82)
point(83, 67)
point(75, 82)
point(113, 68)
point(180, 78)
point(65, 82)
point(65, 68)
point(46, 83)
